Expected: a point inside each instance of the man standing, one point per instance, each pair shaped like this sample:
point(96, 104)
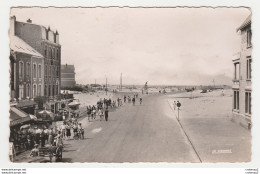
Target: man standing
point(174, 105)
point(133, 100)
point(118, 101)
point(106, 114)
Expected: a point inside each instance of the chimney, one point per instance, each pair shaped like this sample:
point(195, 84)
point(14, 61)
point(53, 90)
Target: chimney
point(57, 36)
point(12, 25)
point(29, 21)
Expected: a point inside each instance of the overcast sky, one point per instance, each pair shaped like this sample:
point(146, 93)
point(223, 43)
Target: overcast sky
point(165, 46)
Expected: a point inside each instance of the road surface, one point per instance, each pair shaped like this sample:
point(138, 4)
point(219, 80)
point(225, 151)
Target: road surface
point(140, 133)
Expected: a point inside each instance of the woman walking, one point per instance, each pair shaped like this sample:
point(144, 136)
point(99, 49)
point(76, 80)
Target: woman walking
point(68, 133)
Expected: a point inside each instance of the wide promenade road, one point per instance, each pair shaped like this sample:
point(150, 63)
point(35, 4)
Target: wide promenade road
point(140, 133)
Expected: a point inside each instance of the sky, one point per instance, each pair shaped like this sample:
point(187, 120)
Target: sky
point(164, 46)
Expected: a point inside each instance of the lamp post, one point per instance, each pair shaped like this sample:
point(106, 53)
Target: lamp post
point(106, 85)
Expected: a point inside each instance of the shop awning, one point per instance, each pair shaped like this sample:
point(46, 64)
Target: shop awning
point(17, 116)
point(26, 104)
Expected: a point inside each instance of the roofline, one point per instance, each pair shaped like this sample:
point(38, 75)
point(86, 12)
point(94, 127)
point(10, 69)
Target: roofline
point(245, 23)
point(27, 53)
point(37, 25)
point(244, 26)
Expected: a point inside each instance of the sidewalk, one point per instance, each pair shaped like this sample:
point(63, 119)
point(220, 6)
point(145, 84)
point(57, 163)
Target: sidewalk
point(206, 121)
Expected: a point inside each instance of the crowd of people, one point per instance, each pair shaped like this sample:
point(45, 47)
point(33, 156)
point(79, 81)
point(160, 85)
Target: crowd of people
point(35, 136)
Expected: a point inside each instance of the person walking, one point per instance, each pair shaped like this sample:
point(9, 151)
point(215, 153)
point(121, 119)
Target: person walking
point(63, 130)
point(124, 98)
point(106, 114)
point(174, 105)
point(50, 138)
point(89, 112)
point(141, 100)
point(68, 133)
point(133, 100)
point(99, 113)
point(118, 101)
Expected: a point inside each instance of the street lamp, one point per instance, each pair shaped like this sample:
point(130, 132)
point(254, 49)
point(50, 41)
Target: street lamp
point(106, 85)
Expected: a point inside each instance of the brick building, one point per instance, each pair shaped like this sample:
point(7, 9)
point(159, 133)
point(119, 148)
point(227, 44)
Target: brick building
point(46, 42)
point(68, 76)
point(26, 69)
point(242, 77)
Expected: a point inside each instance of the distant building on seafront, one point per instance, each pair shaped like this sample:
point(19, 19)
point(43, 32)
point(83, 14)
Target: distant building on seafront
point(68, 76)
point(242, 77)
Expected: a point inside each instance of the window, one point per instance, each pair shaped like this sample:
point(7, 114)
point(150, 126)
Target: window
point(39, 90)
point(50, 53)
point(249, 37)
point(57, 89)
point(53, 90)
point(28, 91)
point(34, 71)
point(34, 91)
point(57, 72)
point(21, 92)
point(27, 69)
point(49, 90)
point(248, 68)
point(21, 70)
point(45, 90)
point(236, 100)
point(248, 102)
point(54, 54)
point(49, 71)
point(237, 71)
point(57, 56)
point(45, 51)
point(39, 71)
point(45, 71)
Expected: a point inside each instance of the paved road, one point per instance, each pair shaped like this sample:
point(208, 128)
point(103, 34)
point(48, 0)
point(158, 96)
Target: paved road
point(140, 133)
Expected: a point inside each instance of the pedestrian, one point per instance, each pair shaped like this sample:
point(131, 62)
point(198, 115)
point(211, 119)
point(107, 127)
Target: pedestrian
point(118, 101)
point(141, 100)
point(63, 130)
point(58, 139)
point(99, 113)
point(50, 138)
point(124, 98)
point(89, 112)
point(75, 131)
point(174, 105)
point(133, 100)
point(106, 114)
point(68, 133)
point(34, 151)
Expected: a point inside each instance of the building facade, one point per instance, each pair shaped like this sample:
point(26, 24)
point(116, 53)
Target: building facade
point(242, 77)
point(68, 76)
point(46, 42)
point(26, 70)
